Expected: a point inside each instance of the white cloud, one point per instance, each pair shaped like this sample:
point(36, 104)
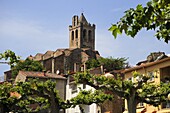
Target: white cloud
point(16, 28)
point(20, 29)
point(29, 34)
point(29, 37)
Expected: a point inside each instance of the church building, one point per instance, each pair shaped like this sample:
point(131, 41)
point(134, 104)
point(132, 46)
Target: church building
point(70, 60)
point(81, 48)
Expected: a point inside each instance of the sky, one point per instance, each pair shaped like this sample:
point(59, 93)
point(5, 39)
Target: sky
point(28, 27)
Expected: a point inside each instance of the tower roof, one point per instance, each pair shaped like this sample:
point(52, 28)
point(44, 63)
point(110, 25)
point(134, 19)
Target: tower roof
point(83, 19)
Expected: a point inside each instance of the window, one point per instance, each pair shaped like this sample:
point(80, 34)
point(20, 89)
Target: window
point(141, 104)
point(151, 74)
point(131, 79)
point(72, 35)
point(89, 35)
point(139, 78)
point(73, 88)
point(84, 35)
point(166, 104)
point(76, 33)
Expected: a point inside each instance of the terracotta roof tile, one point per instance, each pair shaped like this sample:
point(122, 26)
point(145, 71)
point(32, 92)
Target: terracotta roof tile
point(146, 65)
point(40, 74)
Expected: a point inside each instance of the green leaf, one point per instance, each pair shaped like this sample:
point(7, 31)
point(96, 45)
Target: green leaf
point(139, 7)
point(113, 27)
point(152, 17)
point(114, 30)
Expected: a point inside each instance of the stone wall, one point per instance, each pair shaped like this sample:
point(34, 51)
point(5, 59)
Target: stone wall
point(66, 60)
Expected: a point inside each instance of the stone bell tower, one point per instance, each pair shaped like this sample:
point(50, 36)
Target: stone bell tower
point(81, 33)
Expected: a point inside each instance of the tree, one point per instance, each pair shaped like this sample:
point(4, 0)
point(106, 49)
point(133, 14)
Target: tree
point(42, 95)
point(109, 63)
point(27, 65)
point(89, 97)
point(16, 64)
point(20, 97)
point(11, 56)
point(133, 92)
point(154, 16)
point(92, 63)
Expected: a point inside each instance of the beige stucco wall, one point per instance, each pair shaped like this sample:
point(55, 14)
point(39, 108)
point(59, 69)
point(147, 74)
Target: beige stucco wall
point(160, 70)
point(145, 70)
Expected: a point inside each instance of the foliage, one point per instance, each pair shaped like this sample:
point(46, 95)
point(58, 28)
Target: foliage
point(34, 94)
point(89, 97)
point(11, 56)
point(17, 64)
point(39, 94)
point(25, 94)
point(154, 16)
point(27, 65)
point(109, 63)
point(134, 92)
point(92, 63)
point(113, 63)
point(42, 95)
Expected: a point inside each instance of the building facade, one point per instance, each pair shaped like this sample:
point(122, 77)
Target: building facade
point(157, 65)
point(81, 48)
point(23, 76)
point(73, 59)
point(73, 90)
point(81, 33)
point(108, 106)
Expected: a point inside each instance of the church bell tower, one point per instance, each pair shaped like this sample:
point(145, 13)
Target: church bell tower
point(81, 33)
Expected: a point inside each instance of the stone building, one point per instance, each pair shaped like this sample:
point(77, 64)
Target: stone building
point(73, 59)
point(23, 76)
point(82, 33)
point(81, 48)
point(69, 60)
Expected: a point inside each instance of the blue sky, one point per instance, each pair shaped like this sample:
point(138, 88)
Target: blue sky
point(28, 27)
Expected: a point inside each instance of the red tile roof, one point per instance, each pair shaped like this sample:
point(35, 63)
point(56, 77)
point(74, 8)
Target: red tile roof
point(41, 74)
point(146, 65)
